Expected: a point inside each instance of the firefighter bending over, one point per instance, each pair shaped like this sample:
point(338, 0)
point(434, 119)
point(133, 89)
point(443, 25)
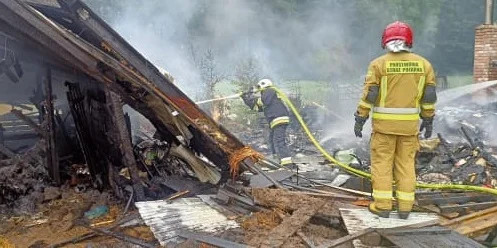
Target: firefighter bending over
point(277, 116)
point(400, 90)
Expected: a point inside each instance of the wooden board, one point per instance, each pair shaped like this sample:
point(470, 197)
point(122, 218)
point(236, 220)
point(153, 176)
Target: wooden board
point(280, 234)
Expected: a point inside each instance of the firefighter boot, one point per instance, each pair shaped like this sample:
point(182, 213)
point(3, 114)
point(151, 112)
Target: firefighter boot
point(403, 214)
point(380, 212)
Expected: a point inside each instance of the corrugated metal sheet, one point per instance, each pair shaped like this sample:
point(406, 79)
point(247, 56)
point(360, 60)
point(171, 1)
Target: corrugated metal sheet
point(359, 219)
point(166, 220)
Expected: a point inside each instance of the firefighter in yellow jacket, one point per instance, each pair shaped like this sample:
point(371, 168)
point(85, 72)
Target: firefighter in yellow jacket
point(400, 91)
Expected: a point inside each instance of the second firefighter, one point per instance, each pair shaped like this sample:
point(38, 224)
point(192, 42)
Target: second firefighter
point(277, 116)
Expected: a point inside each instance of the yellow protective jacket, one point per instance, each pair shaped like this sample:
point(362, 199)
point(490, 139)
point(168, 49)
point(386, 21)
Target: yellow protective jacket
point(399, 87)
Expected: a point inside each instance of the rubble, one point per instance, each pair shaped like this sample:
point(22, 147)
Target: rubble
point(108, 132)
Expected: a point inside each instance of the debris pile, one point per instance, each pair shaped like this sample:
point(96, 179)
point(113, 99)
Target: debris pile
point(470, 162)
point(78, 167)
point(22, 183)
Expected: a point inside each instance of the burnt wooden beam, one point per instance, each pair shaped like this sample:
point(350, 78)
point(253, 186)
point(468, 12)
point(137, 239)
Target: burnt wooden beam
point(76, 101)
point(28, 121)
point(460, 199)
point(128, 157)
point(122, 51)
point(52, 157)
point(468, 207)
point(474, 224)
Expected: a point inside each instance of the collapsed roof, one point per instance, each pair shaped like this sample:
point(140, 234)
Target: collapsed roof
point(68, 36)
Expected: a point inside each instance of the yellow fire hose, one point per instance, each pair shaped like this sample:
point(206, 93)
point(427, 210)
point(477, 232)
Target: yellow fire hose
point(364, 174)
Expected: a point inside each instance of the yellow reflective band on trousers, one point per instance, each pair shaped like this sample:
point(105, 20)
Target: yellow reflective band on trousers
point(279, 120)
point(382, 194)
point(405, 196)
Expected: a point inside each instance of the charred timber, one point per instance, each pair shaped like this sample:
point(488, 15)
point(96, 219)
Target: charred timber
point(52, 157)
point(210, 138)
point(124, 139)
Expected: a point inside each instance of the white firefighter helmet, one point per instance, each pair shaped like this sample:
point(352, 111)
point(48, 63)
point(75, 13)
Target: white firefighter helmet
point(264, 83)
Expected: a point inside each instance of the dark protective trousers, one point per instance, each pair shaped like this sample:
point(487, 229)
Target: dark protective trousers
point(277, 136)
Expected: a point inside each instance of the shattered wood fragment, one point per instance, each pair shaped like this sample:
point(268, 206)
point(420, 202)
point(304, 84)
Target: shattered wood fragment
point(279, 235)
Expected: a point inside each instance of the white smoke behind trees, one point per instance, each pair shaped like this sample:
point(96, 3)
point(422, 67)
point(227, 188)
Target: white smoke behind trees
point(325, 40)
point(289, 39)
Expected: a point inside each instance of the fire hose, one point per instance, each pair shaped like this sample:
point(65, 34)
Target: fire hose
point(364, 174)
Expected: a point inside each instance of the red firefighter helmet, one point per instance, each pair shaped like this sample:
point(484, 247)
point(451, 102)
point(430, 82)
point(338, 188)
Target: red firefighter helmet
point(397, 31)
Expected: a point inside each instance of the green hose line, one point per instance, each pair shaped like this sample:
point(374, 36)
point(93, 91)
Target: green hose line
point(364, 174)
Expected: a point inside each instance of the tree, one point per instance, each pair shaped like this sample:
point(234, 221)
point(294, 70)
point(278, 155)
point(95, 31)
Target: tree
point(210, 73)
point(247, 74)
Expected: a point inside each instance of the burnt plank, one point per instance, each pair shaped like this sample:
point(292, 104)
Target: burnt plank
point(52, 157)
point(456, 199)
point(280, 234)
point(468, 207)
point(428, 237)
point(126, 149)
point(474, 223)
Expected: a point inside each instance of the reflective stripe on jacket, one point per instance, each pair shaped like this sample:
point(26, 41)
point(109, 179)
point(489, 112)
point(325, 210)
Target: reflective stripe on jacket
point(402, 78)
point(274, 109)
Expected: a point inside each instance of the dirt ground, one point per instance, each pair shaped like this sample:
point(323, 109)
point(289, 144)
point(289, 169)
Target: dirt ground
point(55, 221)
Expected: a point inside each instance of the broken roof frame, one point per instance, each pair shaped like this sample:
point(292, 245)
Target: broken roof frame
point(102, 54)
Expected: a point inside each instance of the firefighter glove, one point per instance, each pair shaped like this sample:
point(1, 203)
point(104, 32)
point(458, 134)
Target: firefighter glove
point(248, 98)
point(427, 126)
point(359, 123)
